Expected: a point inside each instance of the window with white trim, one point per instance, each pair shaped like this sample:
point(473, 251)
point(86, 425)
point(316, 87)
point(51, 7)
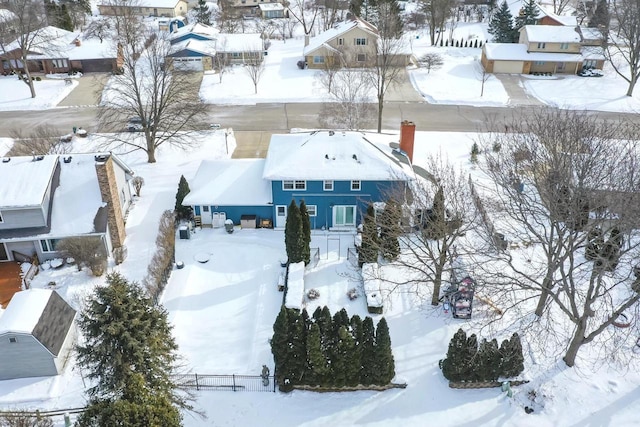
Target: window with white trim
point(60, 63)
point(360, 42)
point(356, 185)
point(340, 41)
point(542, 45)
point(564, 46)
point(294, 185)
point(539, 62)
point(48, 245)
point(205, 208)
point(344, 216)
point(13, 340)
point(312, 210)
point(318, 59)
point(326, 186)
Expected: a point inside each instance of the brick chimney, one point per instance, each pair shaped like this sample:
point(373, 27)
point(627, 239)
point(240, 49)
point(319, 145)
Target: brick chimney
point(407, 137)
point(77, 42)
point(109, 193)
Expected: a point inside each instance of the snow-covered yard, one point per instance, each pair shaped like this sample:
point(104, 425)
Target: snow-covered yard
point(16, 94)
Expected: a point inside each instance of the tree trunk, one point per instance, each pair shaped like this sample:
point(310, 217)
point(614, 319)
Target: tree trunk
point(546, 288)
point(255, 85)
point(151, 150)
point(577, 341)
point(27, 79)
point(632, 84)
point(380, 106)
point(437, 283)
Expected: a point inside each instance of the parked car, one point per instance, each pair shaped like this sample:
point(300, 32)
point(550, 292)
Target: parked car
point(214, 126)
point(135, 125)
point(590, 72)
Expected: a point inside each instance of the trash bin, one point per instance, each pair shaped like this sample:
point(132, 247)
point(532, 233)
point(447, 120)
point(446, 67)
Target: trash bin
point(184, 232)
point(228, 225)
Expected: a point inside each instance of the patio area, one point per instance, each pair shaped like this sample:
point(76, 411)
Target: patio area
point(10, 281)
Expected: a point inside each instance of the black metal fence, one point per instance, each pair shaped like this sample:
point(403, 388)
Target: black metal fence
point(253, 383)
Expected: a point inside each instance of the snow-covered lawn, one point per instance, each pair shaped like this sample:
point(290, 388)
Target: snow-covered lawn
point(16, 94)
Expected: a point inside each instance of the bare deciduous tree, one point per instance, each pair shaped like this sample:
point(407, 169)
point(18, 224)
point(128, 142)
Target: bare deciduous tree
point(27, 25)
point(353, 109)
point(623, 41)
point(437, 12)
point(164, 98)
point(137, 183)
point(431, 60)
point(566, 190)
point(482, 75)
point(100, 28)
point(42, 140)
point(86, 251)
point(297, 9)
point(24, 419)
point(254, 67)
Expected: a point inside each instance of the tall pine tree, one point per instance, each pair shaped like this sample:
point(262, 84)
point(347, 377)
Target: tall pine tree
point(369, 248)
point(528, 15)
point(293, 239)
point(437, 220)
point(129, 356)
point(182, 212)
point(306, 233)
point(501, 25)
point(453, 367)
point(316, 359)
point(601, 17)
point(367, 352)
point(390, 230)
point(512, 357)
point(203, 14)
point(280, 342)
point(385, 365)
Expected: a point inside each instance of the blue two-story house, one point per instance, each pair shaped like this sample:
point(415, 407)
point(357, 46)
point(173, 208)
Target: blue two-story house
point(336, 173)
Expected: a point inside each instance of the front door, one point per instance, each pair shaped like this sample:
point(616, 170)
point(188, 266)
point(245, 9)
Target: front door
point(281, 216)
point(206, 215)
point(4, 256)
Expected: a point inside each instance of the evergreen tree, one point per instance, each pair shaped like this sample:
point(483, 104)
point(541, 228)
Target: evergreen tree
point(595, 242)
point(437, 221)
point(601, 17)
point(280, 342)
point(325, 322)
point(130, 357)
point(501, 25)
point(63, 18)
point(182, 212)
point(297, 355)
point(611, 250)
point(369, 248)
point(203, 14)
point(386, 16)
point(512, 357)
point(528, 15)
point(356, 328)
point(293, 239)
point(390, 230)
point(367, 352)
point(317, 361)
point(469, 358)
point(348, 362)
point(306, 233)
point(452, 366)
point(489, 361)
point(385, 365)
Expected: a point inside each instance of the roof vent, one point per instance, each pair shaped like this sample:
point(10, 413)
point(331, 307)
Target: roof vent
point(326, 156)
point(354, 157)
point(67, 159)
point(331, 133)
point(6, 159)
point(101, 157)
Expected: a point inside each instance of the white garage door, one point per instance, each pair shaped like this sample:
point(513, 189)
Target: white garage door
point(187, 64)
point(507, 67)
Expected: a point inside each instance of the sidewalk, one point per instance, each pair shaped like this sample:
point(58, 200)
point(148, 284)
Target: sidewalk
point(403, 91)
point(88, 91)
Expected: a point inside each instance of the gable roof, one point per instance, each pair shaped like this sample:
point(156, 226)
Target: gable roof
point(42, 313)
point(203, 47)
point(329, 155)
point(196, 28)
point(247, 42)
point(237, 182)
point(570, 21)
point(519, 52)
point(343, 27)
point(551, 34)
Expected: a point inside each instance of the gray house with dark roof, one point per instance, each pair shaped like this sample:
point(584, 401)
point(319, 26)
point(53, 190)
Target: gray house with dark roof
point(36, 335)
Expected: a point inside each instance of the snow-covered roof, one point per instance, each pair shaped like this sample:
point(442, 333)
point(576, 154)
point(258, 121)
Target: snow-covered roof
point(248, 42)
point(24, 181)
point(52, 42)
point(329, 155)
point(592, 34)
point(24, 311)
point(341, 28)
point(145, 3)
point(236, 182)
point(201, 46)
point(551, 34)
point(295, 286)
point(197, 28)
point(270, 6)
point(518, 52)
point(568, 20)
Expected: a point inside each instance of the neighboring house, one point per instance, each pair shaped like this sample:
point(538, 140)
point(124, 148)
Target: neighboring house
point(248, 4)
point(272, 10)
point(44, 199)
point(164, 8)
point(171, 24)
point(549, 18)
point(336, 173)
point(55, 50)
point(351, 43)
point(542, 49)
point(36, 335)
point(197, 45)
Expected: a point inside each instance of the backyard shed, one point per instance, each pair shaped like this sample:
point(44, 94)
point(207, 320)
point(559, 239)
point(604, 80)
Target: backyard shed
point(36, 335)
